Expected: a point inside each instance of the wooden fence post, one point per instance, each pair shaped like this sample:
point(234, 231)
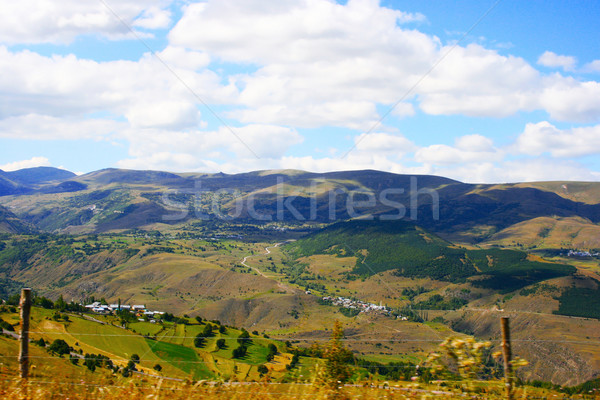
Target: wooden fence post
point(25, 305)
point(507, 355)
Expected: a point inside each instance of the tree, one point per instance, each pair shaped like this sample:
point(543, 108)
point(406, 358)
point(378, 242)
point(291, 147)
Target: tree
point(294, 361)
point(207, 331)
point(239, 351)
point(89, 362)
point(6, 325)
point(272, 351)
point(43, 302)
point(220, 343)
point(60, 304)
point(244, 338)
point(222, 329)
point(262, 369)
point(199, 319)
point(336, 369)
point(135, 358)
point(157, 367)
point(131, 366)
point(199, 340)
point(59, 347)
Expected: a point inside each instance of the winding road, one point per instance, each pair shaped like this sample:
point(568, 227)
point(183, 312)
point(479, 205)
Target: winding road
point(282, 286)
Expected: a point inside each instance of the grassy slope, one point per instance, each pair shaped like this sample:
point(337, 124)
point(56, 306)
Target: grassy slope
point(165, 279)
point(177, 355)
point(409, 251)
point(550, 232)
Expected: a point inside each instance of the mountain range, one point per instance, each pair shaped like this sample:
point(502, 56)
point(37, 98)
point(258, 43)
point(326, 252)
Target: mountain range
point(54, 200)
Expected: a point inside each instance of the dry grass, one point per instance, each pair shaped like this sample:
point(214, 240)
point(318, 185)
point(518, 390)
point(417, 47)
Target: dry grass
point(138, 389)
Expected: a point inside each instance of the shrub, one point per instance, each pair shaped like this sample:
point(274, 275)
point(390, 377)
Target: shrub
point(59, 347)
point(240, 351)
point(262, 369)
point(199, 340)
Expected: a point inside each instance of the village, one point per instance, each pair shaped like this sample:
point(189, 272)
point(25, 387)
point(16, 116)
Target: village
point(579, 253)
point(359, 305)
point(139, 310)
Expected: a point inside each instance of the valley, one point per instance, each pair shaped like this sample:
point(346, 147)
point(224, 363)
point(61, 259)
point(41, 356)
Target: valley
point(495, 251)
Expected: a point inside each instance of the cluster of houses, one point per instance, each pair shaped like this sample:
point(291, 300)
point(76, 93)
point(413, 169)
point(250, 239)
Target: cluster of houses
point(578, 253)
point(139, 310)
point(358, 305)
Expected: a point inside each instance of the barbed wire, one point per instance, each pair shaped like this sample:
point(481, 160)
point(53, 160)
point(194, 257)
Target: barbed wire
point(375, 366)
point(292, 340)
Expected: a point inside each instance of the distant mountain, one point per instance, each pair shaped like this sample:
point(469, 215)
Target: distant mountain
point(122, 199)
point(38, 175)
point(35, 180)
point(8, 187)
point(121, 176)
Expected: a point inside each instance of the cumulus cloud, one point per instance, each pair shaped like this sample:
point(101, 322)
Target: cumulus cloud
point(467, 149)
point(384, 143)
point(320, 63)
point(545, 138)
point(553, 60)
point(143, 91)
point(567, 99)
point(44, 127)
point(48, 21)
point(31, 163)
point(476, 81)
point(317, 63)
point(593, 66)
point(197, 149)
point(153, 18)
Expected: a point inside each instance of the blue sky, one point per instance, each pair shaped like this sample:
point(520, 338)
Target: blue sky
point(480, 91)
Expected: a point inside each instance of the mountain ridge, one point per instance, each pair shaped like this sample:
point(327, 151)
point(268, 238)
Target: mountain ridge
point(111, 198)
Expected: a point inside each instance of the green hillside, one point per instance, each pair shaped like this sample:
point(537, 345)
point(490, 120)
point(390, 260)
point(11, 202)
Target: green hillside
point(170, 344)
point(411, 251)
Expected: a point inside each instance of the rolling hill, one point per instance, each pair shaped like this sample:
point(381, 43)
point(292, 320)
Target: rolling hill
point(410, 251)
point(204, 244)
point(114, 199)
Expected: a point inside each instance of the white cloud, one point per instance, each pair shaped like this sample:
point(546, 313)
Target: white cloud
point(319, 63)
point(567, 99)
point(545, 138)
point(49, 21)
point(301, 31)
point(193, 149)
point(143, 91)
point(467, 149)
point(593, 66)
point(44, 127)
point(479, 82)
point(541, 169)
point(384, 143)
point(31, 163)
point(475, 143)
point(553, 60)
point(512, 171)
point(153, 18)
